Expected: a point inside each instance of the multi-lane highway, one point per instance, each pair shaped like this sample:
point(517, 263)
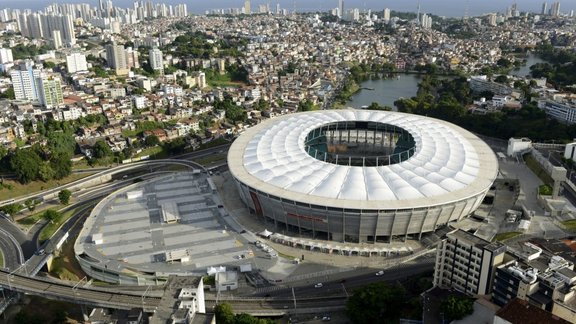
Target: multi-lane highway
point(78, 294)
point(277, 300)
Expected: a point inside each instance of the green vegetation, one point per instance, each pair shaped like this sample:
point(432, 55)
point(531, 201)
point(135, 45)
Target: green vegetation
point(570, 224)
point(456, 308)
point(211, 159)
point(561, 72)
point(537, 169)
point(8, 94)
point(307, 105)
point(200, 45)
point(21, 51)
point(30, 220)
point(545, 190)
point(505, 236)
point(64, 196)
point(41, 310)
point(447, 100)
point(56, 219)
point(225, 315)
point(11, 189)
point(234, 113)
point(376, 301)
point(1, 259)
point(209, 280)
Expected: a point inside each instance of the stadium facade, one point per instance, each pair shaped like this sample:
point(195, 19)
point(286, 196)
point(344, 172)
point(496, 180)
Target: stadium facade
point(360, 175)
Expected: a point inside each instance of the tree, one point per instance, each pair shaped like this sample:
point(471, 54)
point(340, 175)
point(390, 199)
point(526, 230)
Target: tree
point(176, 146)
point(224, 313)
point(61, 164)
point(8, 94)
point(151, 140)
point(375, 302)
point(64, 196)
point(26, 165)
point(101, 150)
point(51, 215)
point(306, 105)
point(30, 204)
point(456, 308)
point(501, 79)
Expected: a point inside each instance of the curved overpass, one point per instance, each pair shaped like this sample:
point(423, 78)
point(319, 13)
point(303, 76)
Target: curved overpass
point(109, 298)
point(102, 177)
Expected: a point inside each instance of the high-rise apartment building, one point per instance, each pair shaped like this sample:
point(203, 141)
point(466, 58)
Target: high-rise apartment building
point(50, 91)
point(544, 8)
point(24, 81)
point(341, 7)
point(492, 19)
point(76, 62)
point(466, 263)
point(156, 60)
point(555, 9)
point(43, 26)
point(132, 58)
point(386, 14)
point(116, 58)
point(56, 39)
point(247, 8)
point(6, 55)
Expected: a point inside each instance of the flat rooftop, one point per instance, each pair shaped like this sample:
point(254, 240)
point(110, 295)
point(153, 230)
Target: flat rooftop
point(136, 237)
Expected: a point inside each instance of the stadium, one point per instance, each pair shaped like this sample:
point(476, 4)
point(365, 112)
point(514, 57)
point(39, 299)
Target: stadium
point(360, 175)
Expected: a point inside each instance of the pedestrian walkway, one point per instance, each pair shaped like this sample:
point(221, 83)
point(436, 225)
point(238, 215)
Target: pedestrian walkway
point(232, 202)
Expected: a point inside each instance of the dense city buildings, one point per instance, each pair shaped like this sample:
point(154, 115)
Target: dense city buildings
point(103, 85)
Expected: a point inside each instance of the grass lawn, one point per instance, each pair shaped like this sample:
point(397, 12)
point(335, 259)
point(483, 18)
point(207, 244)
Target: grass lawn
point(12, 189)
point(537, 169)
point(570, 224)
point(211, 159)
point(286, 256)
point(505, 236)
point(1, 259)
point(30, 220)
point(156, 152)
point(50, 228)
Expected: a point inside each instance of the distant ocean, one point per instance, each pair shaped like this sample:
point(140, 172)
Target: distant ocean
point(449, 8)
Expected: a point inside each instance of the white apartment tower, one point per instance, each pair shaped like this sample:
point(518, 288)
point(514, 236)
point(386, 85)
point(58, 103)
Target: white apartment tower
point(6, 55)
point(386, 15)
point(24, 81)
point(57, 39)
point(466, 263)
point(156, 60)
point(247, 8)
point(76, 62)
point(201, 80)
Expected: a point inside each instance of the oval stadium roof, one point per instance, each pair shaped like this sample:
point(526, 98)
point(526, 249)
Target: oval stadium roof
point(449, 163)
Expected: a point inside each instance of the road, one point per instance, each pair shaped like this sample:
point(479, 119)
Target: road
point(81, 295)
point(345, 283)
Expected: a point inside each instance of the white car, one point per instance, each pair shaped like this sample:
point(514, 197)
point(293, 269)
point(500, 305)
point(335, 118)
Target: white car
point(318, 285)
point(379, 273)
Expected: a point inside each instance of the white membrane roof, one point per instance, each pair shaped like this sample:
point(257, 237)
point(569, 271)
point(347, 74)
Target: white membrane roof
point(449, 163)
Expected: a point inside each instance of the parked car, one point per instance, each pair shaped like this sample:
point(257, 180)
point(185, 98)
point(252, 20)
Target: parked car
point(379, 273)
point(318, 285)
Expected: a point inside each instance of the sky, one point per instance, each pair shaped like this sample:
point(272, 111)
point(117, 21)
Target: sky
point(449, 8)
